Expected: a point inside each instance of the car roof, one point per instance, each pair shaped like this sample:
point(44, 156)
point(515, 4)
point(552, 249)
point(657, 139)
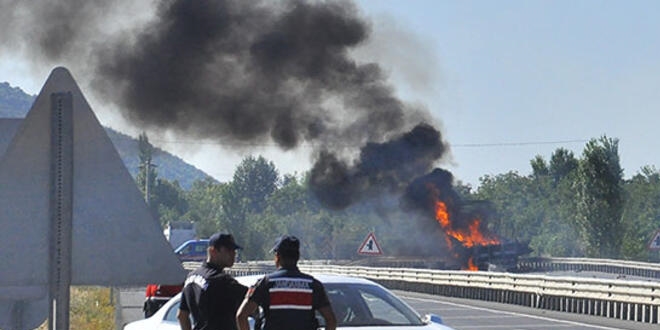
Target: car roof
point(249, 280)
point(191, 241)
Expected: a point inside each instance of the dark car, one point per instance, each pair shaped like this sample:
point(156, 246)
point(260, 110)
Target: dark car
point(192, 250)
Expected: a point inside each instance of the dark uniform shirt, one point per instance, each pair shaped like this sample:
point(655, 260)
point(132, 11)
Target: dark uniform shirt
point(212, 297)
point(289, 299)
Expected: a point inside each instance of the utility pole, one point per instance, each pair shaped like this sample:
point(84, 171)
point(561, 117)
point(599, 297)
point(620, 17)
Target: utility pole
point(147, 166)
point(146, 150)
point(146, 181)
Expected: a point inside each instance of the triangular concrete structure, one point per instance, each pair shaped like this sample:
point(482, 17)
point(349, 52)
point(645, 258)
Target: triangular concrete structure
point(30, 314)
point(115, 240)
point(8, 127)
point(24, 218)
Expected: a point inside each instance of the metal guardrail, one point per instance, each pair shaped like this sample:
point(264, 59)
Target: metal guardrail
point(621, 267)
point(622, 299)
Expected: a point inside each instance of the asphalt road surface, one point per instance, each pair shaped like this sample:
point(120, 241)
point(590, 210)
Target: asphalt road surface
point(460, 314)
point(465, 314)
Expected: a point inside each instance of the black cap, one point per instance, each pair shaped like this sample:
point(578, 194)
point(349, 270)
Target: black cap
point(221, 239)
point(286, 243)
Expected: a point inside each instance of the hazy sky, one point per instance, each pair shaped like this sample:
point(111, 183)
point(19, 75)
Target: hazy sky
point(506, 80)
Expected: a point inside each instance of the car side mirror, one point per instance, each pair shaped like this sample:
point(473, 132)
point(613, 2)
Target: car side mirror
point(432, 318)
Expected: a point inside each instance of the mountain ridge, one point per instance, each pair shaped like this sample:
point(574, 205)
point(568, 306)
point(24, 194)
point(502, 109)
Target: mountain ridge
point(15, 103)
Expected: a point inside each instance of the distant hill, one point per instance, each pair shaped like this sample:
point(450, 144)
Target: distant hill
point(14, 103)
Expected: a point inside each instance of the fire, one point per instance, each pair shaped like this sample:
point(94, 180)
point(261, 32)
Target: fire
point(469, 237)
point(471, 266)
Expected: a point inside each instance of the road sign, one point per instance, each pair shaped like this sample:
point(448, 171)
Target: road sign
point(370, 246)
point(654, 244)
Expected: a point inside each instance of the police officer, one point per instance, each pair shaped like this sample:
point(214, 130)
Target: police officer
point(209, 294)
point(288, 297)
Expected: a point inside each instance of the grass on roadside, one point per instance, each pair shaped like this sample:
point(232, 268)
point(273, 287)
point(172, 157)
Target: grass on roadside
point(92, 308)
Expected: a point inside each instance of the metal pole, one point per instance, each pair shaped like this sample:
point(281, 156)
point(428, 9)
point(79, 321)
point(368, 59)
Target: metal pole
point(146, 180)
point(61, 209)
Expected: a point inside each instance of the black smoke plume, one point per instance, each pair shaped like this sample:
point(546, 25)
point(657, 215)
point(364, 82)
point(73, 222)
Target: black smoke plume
point(244, 72)
point(381, 167)
point(51, 31)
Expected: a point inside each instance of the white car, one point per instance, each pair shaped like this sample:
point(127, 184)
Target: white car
point(359, 304)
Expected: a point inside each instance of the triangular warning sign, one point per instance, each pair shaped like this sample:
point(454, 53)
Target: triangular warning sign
point(370, 246)
point(654, 244)
point(115, 240)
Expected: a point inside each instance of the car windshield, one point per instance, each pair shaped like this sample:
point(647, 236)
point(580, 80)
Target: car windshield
point(170, 316)
point(368, 305)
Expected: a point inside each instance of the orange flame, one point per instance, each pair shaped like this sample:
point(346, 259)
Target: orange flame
point(471, 266)
point(469, 237)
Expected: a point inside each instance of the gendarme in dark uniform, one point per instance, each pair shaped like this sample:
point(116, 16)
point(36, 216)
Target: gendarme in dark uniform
point(289, 298)
point(211, 296)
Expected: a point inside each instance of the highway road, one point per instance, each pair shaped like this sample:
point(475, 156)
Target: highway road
point(461, 314)
point(465, 314)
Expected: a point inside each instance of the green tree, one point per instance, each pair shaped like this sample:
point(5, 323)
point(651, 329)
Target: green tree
point(513, 198)
point(245, 198)
point(539, 208)
point(166, 200)
point(562, 164)
point(205, 206)
point(291, 209)
point(641, 216)
point(601, 198)
point(325, 234)
point(539, 167)
point(169, 198)
point(254, 180)
point(556, 234)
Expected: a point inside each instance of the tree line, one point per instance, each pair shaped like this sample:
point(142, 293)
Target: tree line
point(568, 206)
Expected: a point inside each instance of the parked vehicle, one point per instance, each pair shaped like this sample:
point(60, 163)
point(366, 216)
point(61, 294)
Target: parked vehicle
point(192, 250)
point(178, 232)
point(359, 304)
point(157, 295)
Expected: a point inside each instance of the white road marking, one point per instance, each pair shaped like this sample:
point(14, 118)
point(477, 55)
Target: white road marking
point(512, 313)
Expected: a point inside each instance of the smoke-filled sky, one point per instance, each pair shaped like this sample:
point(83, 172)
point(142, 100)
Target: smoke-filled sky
point(500, 82)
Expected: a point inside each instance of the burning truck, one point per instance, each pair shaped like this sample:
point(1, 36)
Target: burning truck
point(469, 243)
point(451, 233)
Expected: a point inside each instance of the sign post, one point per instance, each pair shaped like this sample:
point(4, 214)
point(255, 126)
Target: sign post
point(654, 244)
